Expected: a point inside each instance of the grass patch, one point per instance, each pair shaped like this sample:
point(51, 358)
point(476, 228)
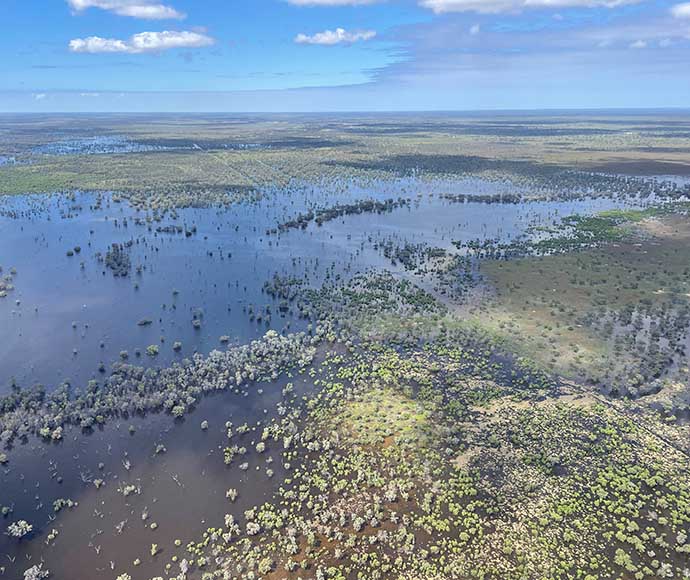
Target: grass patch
point(384, 418)
point(577, 313)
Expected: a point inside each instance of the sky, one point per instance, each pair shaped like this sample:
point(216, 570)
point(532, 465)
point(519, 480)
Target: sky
point(342, 55)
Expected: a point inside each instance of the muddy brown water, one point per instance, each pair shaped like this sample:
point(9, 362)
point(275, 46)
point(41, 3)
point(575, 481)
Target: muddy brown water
point(182, 489)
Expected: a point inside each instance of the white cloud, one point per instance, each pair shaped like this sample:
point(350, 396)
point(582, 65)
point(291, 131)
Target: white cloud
point(497, 6)
point(145, 9)
point(94, 44)
point(681, 10)
point(337, 36)
point(331, 2)
point(142, 42)
point(639, 44)
point(476, 29)
point(38, 96)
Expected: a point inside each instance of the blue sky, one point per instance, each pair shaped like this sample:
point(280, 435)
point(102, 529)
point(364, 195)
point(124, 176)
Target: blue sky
point(332, 55)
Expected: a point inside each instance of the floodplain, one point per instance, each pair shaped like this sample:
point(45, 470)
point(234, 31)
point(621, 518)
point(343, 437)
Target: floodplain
point(355, 346)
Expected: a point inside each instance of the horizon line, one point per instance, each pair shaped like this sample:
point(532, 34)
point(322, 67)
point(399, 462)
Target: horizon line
point(359, 111)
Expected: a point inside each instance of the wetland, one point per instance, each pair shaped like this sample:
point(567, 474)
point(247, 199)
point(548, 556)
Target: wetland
point(323, 347)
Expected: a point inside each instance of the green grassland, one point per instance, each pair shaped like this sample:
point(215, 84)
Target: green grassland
point(588, 313)
point(318, 147)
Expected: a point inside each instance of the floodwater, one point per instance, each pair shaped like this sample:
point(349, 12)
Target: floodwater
point(69, 318)
point(69, 314)
point(182, 490)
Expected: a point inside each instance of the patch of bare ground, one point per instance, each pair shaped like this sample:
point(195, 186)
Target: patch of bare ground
point(672, 227)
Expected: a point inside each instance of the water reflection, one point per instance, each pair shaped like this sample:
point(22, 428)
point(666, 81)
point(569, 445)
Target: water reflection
point(68, 316)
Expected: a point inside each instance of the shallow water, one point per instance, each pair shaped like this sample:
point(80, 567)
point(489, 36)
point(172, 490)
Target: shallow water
point(182, 489)
point(679, 180)
point(98, 145)
point(63, 320)
point(60, 307)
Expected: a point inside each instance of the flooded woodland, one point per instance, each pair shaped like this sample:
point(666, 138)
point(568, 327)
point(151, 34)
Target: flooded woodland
point(358, 346)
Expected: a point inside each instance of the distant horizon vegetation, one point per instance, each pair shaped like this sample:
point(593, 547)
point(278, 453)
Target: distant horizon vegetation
point(440, 112)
